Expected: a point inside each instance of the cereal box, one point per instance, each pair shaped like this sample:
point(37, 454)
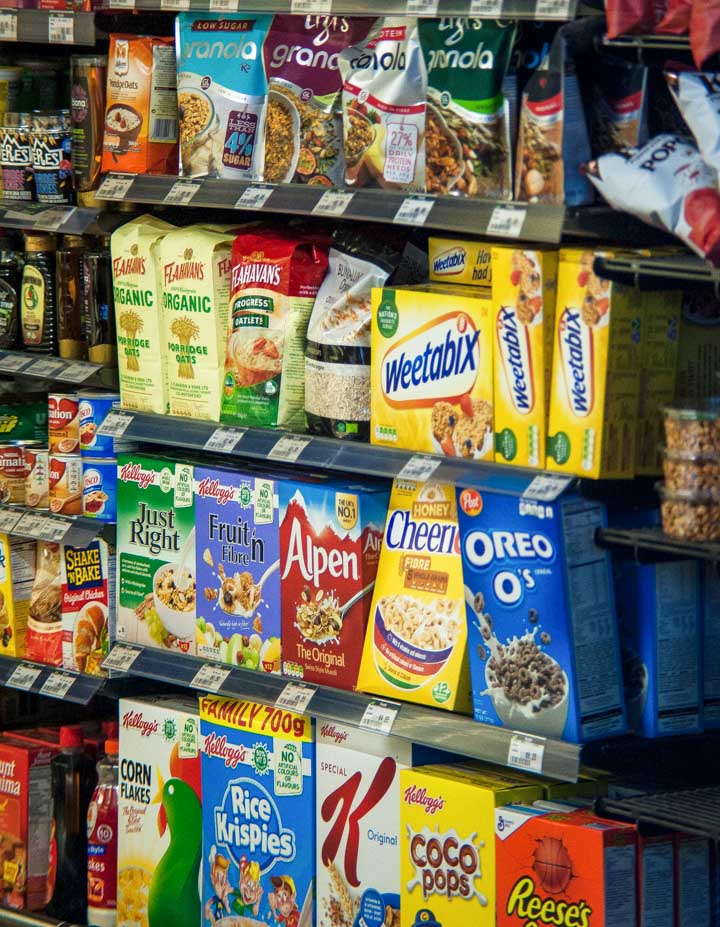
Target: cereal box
point(692, 881)
point(159, 813)
point(431, 371)
point(561, 869)
point(524, 286)
point(258, 765)
point(17, 572)
point(543, 644)
point(699, 349)
point(595, 380)
point(656, 884)
point(88, 605)
point(416, 639)
point(454, 260)
point(447, 843)
point(156, 553)
point(238, 557)
point(330, 537)
point(710, 605)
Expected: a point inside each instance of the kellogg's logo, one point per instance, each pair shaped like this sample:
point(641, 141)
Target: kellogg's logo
point(575, 342)
point(330, 732)
point(416, 796)
point(248, 824)
point(218, 746)
point(214, 489)
point(516, 357)
point(450, 263)
point(134, 473)
point(134, 720)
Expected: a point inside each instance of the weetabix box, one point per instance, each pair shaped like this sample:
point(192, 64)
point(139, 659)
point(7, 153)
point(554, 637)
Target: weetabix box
point(87, 577)
point(458, 260)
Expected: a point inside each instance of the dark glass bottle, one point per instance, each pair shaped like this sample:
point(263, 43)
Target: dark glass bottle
point(71, 298)
point(38, 325)
point(10, 280)
point(100, 315)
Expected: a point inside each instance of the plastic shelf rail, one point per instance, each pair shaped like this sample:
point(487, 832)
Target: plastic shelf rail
point(49, 27)
point(46, 526)
point(56, 369)
point(52, 681)
point(694, 811)
point(649, 545)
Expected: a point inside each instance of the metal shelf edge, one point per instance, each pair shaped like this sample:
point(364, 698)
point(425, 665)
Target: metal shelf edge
point(654, 542)
point(78, 530)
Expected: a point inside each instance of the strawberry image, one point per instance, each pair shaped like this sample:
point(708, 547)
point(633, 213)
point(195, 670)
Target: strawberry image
point(466, 405)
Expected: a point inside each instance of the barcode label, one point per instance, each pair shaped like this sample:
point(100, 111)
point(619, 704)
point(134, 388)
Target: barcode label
point(419, 468)
point(8, 520)
point(224, 6)
point(121, 658)
point(486, 7)
point(254, 197)
point(61, 29)
point(379, 716)
point(210, 677)
point(332, 203)
point(23, 677)
point(289, 448)
point(8, 27)
point(422, 7)
point(546, 488)
point(526, 752)
point(14, 362)
point(163, 130)
point(310, 6)
point(296, 696)
point(44, 527)
point(45, 368)
point(115, 187)
point(115, 424)
point(52, 219)
point(181, 193)
point(77, 372)
point(507, 221)
point(549, 9)
point(224, 439)
point(57, 685)
point(414, 210)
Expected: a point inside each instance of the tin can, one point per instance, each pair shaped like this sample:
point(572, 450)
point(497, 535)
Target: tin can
point(50, 145)
point(63, 423)
point(99, 492)
point(37, 477)
point(12, 473)
point(65, 484)
point(16, 157)
point(93, 409)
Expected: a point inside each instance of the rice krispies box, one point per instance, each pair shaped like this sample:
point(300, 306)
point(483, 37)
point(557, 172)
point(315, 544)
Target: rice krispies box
point(330, 538)
point(258, 768)
point(542, 629)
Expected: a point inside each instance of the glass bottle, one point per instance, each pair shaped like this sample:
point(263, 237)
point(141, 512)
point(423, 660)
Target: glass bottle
point(71, 298)
point(37, 295)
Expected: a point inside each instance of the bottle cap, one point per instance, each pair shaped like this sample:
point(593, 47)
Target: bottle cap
point(112, 746)
point(71, 735)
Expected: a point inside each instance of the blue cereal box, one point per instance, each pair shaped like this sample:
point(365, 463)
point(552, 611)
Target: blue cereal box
point(710, 588)
point(238, 557)
point(258, 769)
point(542, 630)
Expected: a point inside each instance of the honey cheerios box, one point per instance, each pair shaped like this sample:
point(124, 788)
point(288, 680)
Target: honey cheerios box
point(432, 371)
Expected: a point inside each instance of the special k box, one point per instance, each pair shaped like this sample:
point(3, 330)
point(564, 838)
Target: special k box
point(459, 260)
point(595, 379)
point(431, 371)
point(524, 285)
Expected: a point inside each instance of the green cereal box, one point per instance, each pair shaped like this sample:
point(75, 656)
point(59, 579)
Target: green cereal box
point(156, 553)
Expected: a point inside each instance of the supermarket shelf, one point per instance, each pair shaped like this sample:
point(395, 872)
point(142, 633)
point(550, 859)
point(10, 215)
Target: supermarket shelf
point(446, 731)
point(49, 680)
point(46, 526)
point(67, 220)
point(652, 43)
point(56, 370)
point(658, 272)
point(649, 545)
point(694, 811)
point(27, 919)
point(47, 27)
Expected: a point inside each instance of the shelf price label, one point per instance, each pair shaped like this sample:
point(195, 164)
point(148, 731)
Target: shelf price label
point(546, 487)
point(14, 362)
point(182, 192)
point(486, 7)
point(310, 6)
point(116, 423)
point(8, 520)
point(333, 203)
point(211, 676)
point(77, 372)
point(288, 448)
point(45, 368)
point(44, 527)
point(254, 197)
point(52, 219)
point(224, 6)
point(122, 4)
point(418, 468)
point(379, 716)
point(422, 7)
point(23, 676)
point(224, 440)
point(296, 696)
point(414, 210)
point(507, 221)
point(57, 684)
point(526, 752)
point(552, 9)
point(61, 29)
point(8, 27)
point(121, 658)
point(175, 5)
point(115, 187)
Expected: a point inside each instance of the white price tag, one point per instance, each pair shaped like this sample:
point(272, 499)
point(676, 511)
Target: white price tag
point(115, 187)
point(121, 658)
point(8, 27)
point(552, 9)
point(333, 203)
point(57, 684)
point(296, 696)
point(23, 676)
point(526, 752)
point(77, 372)
point(45, 368)
point(224, 439)
point(379, 716)
point(182, 192)
point(254, 197)
point(174, 4)
point(52, 219)
point(547, 487)
point(419, 468)
point(14, 362)
point(122, 4)
point(224, 6)
point(8, 520)
point(486, 7)
point(45, 527)
point(61, 29)
point(210, 676)
point(288, 448)
point(115, 423)
point(414, 210)
point(310, 6)
point(422, 7)
point(507, 221)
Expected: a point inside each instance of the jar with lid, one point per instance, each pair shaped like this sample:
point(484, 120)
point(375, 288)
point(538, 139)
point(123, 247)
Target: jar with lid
point(37, 295)
point(100, 315)
point(71, 298)
point(10, 279)
point(51, 144)
point(16, 173)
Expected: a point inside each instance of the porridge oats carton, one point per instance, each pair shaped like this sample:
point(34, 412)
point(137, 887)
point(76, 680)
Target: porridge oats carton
point(159, 813)
point(17, 573)
point(595, 378)
point(87, 577)
point(524, 284)
point(238, 559)
point(330, 539)
point(458, 260)
point(541, 620)
point(432, 370)
point(156, 553)
point(416, 638)
point(258, 770)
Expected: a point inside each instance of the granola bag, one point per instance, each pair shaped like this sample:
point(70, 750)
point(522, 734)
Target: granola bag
point(617, 105)
point(384, 92)
point(303, 130)
point(632, 16)
point(705, 30)
point(222, 94)
point(665, 183)
point(698, 98)
point(467, 124)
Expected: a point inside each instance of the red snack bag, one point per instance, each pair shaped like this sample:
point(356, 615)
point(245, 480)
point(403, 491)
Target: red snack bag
point(665, 183)
point(632, 16)
point(676, 20)
point(705, 30)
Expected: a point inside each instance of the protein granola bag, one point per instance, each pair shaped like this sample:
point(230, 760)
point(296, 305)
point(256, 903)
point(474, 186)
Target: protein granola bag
point(632, 16)
point(665, 183)
point(222, 94)
point(467, 123)
point(697, 95)
point(676, 20)
point(616, 97)
point(705, 30)
point(384, 92)
point(303, 130)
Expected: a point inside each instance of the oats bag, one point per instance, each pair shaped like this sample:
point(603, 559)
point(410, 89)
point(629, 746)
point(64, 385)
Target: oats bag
point(698, 98)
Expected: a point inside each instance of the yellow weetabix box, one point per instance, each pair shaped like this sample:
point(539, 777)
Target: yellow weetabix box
point(523, 293)
point(447, 852)
point(596, 366)
point(432, 370)
point(458, 260)
point(17, 573)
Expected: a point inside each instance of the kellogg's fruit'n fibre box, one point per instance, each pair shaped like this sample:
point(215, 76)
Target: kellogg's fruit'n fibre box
point(330, 539)
point(87, 577)
point(447, 843)
point(159, 813)
point(596, 367)
point(524, 285)
point(17, 573)
point(455, 260)
point(542, 627)
point(561, 869)
point(416, 638)
point(431, 371)
point(258, 770)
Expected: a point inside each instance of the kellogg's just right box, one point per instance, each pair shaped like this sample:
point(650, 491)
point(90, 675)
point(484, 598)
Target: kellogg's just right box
point(456, 260)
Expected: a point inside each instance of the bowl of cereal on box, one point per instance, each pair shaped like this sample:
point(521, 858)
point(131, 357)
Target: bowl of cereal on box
point(124, 122)
point(174, 599)
point(282, 138)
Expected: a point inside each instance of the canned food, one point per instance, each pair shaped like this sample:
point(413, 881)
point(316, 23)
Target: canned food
point(12, 473)
point(63, 423)
point(93, 408)
point(37, 477)
point(99, 492)
point(65, 484)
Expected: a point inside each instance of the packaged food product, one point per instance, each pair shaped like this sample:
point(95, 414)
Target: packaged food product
point(88, 606)
point(71, 298)
point(524, 285)
point(88, 82)
point(140, 130)
point(467, 122)
point(100, 334)
point(16, 158)
point(43, 635)
point(693, 428)
point(384, 94)
point(50, 147)
point(617, 105)
point(655, 878)
point(676, 20)
point(432, 370)
point(9, 88)
point(416, 637)
point(258, 770)
point(93, 407)
point(65, 480)
point(238, 556)
point(17, 572)
point(690, 516)
point(693, 880)
point(38, 321)
point(63, 423)
point(690, 472)
point(159, 812)
point(275, 279)
point(330, 538)
point(704, 30)
point(710, 607)
point(595, 380)
point(457, 260)
point(10, 281)
point(13, 473)
point(699, 349)
point(632, 16)
point(24, 419)
point(156, 552)
point(37, 478)
point(697, 95)
point(99, 488)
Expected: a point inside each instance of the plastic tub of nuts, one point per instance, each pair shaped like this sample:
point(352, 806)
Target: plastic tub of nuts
point(694, 428)
point(689, 516)
point(689, 472)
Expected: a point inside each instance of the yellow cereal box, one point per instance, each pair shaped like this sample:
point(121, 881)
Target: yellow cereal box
point(447, 852)
point(431, 370)
point(416, 637)
point(458, 260)
point(524, 285)
point(17, 573)
point(595, 379)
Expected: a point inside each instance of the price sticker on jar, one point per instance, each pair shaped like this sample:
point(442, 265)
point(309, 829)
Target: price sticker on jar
point(115, 187)
point(8, 27)
point(61, 29)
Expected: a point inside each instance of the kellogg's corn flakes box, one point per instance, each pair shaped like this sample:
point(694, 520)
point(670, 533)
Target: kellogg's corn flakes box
point(595, 379)
point(457, 260)
point(416, 639)
point(258, 767)
point(432, 371)
point(524, 286)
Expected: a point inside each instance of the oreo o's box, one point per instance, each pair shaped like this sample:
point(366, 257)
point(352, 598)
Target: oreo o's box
point(542, 629)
